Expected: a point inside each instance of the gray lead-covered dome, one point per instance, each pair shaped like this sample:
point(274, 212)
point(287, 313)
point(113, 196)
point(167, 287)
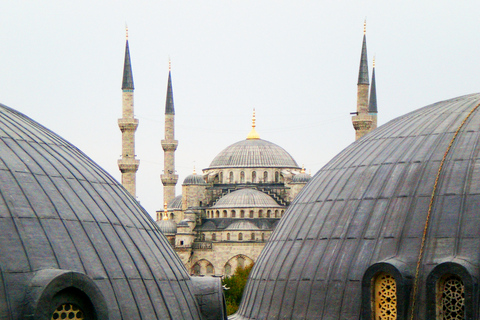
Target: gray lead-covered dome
point(246, 198)
point(69, 233)
point(252, 153)
point(365, 213)
point(194, 179)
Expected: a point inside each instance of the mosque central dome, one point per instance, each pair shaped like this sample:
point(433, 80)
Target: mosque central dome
point(253, 153)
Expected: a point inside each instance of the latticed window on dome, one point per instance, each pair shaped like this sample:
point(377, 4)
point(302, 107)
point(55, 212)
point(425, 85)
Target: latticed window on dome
point(68, 311)
point(385, 297)
point(451, 298)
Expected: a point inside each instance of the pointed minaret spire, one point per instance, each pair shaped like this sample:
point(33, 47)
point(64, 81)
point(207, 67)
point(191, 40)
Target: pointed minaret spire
point(169, 144)
point(127, 82)
point(362, 121)
point(253, 135)
point(372, 103)
point(128, 165)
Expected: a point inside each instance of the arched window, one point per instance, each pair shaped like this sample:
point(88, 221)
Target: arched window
point(241, 262)
point(263, 236)
point(251, 214)
point(228, 236)
point(385, 297)
point(276, 214)
point(253, 236)
point(240, 236)
point(281, 213)
point(224, 213)
point(260, 213)
point(209, 269)
point(196, 269)
point(242, 177)
point(242, 213)
point(268, 213)
point(217, 214)
point(203, 237)
point(231, 177)
point(254, 177)
point(228, 269)
point(214, 237)
point(451, 298)
point(276, 176)
point(265, 176)
point(233, 213)
point(221, 177)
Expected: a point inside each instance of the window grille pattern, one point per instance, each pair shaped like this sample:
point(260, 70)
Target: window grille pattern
point(68, 311)
point(453, 299)
point(385, 297)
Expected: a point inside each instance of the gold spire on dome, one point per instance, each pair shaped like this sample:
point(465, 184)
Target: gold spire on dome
point(194, 172)
point(165, 212)
point(253, 135)
point(303, 169)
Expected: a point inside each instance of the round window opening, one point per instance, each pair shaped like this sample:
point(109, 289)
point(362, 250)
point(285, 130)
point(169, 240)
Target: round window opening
point(68, 311)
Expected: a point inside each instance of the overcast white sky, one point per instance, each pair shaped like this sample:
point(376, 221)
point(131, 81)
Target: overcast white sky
point(295, 62)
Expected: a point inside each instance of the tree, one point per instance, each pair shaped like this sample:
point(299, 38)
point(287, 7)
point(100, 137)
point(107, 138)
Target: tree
point(234, 286)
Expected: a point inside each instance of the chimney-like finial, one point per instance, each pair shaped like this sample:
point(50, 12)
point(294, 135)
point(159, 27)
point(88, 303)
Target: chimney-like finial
point(253, 133)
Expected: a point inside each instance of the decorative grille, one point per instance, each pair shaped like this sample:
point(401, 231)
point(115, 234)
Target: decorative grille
point(68, 311)
point(385, 297)
point(453, 299)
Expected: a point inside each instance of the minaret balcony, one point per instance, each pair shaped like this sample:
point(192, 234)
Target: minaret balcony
point(169, 145)
point(169, 179)
point(362, 122)
point(128, 124)
point(128, 165)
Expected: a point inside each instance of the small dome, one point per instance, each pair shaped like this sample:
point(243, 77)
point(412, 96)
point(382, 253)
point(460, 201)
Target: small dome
point(246, 198)
point(301, 178)
point(194, 179)
point(184, 223)
point(167, 226)
point(253, 153)
point(175, 203)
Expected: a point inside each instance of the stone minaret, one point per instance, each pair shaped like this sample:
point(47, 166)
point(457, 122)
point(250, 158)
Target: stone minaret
point(362, 121)
point(128, 165)
point(372, 103)
point(169, 145)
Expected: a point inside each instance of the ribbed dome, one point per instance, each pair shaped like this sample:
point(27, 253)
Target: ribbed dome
point(242, 225)
point(66, 223)
point(194, 179)
point(167, 226)
point(253, 153)
point(366, 212)
point(246, 198)
point(301, 178)
point(175, 203)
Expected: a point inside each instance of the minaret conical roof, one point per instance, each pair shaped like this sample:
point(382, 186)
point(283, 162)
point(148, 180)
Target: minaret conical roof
point(169, 107)
point(363, 72)
point(372, 104)
point(127, 83)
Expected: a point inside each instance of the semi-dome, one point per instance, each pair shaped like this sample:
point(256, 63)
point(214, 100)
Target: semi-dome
point(74, 242)
point(175, 203)
point(194, 179)
point(246, 198)
point(253, 153)
point(403, 196)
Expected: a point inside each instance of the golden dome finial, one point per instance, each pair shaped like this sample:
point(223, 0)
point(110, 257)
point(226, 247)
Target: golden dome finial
point(126, 31)
point(165, 211)
point(253, 133)
point(374, 61)
point(303, 168)
point(194, 172)
point(365, 26)
point(169, 65)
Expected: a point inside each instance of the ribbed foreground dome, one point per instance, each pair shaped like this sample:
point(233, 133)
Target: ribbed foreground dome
point(361, 221)
point(246, 198)
point(167, 226)
point(194, 179)
point(253, 153)
point(71, 235)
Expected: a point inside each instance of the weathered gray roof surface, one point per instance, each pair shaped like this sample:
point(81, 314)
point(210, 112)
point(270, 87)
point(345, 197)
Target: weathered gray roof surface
point(59, 210)
point(167, 226)
point(175, 203)
point(368, 205)
point(194, 179)
point(220, 224)
point(253, 153)
point(246, 198)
